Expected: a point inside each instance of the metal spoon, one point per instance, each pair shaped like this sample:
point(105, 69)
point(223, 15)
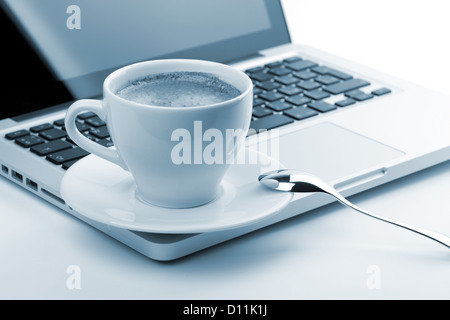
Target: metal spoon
point(297, 181)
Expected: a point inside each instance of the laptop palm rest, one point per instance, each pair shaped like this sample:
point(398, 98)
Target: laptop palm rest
point(332, 152)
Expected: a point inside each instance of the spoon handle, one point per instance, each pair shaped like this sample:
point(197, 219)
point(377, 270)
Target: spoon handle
point(301, 182)
point(429, 234)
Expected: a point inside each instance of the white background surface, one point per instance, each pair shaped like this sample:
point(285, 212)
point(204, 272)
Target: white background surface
point(406, 38)
point(325, 254)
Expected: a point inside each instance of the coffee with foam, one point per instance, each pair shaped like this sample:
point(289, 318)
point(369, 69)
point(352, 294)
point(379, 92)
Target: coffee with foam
point(178, 89)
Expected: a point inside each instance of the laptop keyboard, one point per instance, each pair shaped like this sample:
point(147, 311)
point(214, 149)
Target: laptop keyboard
point(285, 92)
point(50, 140)
point(295, 89)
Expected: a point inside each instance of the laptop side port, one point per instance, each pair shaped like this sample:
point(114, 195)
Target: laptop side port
point(52, 196)
point(5, 169)
point(31, 184)
point(17, 176)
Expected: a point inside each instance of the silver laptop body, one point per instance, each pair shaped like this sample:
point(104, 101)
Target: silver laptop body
point(355, 148)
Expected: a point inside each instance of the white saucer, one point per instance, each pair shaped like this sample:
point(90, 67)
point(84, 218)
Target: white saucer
point(102, 191)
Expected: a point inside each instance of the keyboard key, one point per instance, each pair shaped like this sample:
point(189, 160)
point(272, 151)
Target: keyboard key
point(323, 70)
point(270, 122)
point(86, 134)
point(301, 65)
point(290, 91)
point(255, 69)
point(309, 85)
point(345, 86)
point(53, 134)
point(86, 115)
point(67, 165)
point(95, 122)
point(305, 75)
point(100, 133)
point(317, 94)
point(280, 71)
point(364, 97)
point(287, 80)
point(17, 134)
point(326, 80)
point(298, 100)
point(59, 123)
point(260, 112)
point(292, 59)
point(279, 105)
point(322, 106)
point(106, 143)
point(257, 90)
point(301, 113)
point(261, 76)
point(381, 91)
point(354, 93)
point(51, 147)
point(258, 102)
point(29, 141)
point(67, 155)
point(359, 95)
point(274, 64)
point(271, 96)
point(41, 127)
point(269, 85)
point(81, 126)
point(345, 102)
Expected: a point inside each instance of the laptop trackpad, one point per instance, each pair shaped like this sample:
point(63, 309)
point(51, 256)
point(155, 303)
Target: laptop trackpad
point(332, 152)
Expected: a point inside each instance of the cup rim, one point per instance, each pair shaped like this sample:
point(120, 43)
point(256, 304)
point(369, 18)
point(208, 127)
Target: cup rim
point(122, 71)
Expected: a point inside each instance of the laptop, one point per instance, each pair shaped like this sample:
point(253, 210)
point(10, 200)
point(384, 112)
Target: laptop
point(355, 127)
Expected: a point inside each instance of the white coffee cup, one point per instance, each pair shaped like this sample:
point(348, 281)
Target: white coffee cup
point(143, 135)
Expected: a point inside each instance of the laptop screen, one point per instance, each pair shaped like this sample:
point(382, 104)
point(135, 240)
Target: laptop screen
point(82, 41)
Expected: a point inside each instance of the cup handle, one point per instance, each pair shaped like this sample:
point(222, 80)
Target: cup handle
point(96, 106)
